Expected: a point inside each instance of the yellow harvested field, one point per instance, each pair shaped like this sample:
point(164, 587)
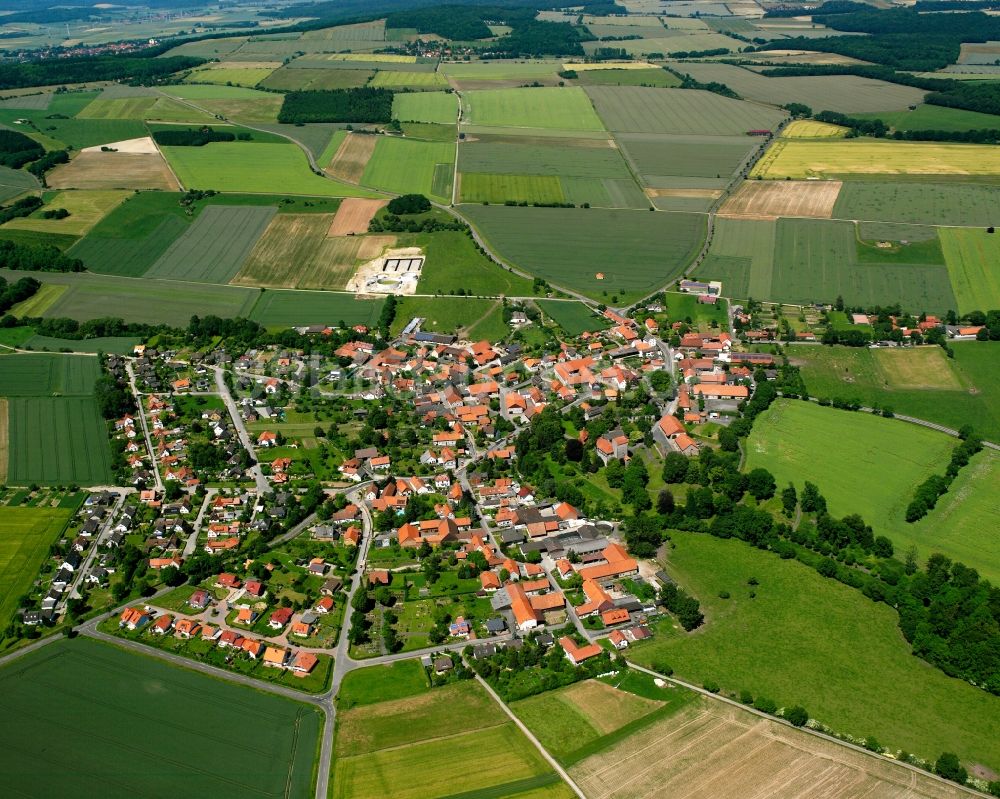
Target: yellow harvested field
point(351, 158)
point(607, 708)
point(86, 209)
point(295, 252)
point(759, 199)
point(354, 215)
point(917, 368)
point(811, 129)
point(4, 440)
point(121, 170)
point(40, 301)
point(609, 65)
point(709, 749)
point(802, 158)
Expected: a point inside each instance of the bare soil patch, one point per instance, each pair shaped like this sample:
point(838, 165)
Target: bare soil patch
point(814, 199)
point(351, 158)
point(119, 170)
point(354, 215)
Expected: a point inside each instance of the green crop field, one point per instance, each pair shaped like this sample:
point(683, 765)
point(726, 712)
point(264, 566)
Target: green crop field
point(406, 167)
point(254, 168)
point(742, 257)
point(214, 247)
point(587, 158)
point(919, 203)
point(572, 246)
point(408, 80)
point(657, 158)
point(383, 749)
point(918, 382)
point(213, 92)
point(84, 296)
point(235, 76)
point(398, 680)
point(936, 117)
point(117, 345)
point(55, 434)
point(437, 107)
point(573, 317)
point(14, 182)
point(477, 187)
point(294, 308)
point(972, 255)
point(76, 133)
point(629, 77)
point(289, 78)
point(454, 262)
point(847, 94)
point(25, 537)
point(501, 70)
point(679, 111)
point(809, 640)
point(80, 702)
point(442, 314)
point(546, 108)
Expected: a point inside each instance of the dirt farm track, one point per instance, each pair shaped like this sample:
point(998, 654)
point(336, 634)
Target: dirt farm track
point(750, 757)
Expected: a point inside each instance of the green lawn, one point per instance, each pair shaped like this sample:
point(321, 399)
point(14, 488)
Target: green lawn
point(25, 537)
point(382, 683)
point(565, 108)
point(805, 639)
point(85, 702)
point(254, 168)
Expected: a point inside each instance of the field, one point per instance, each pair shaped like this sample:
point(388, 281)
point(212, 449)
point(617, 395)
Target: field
point(97, 170)
point(349, 160)
point(859, 447)
point(288, 308)
point(289, 78)
point(811, 129)
point(711, 749)
point(454, 262)
point(972, 255)
point(141, 108)
point(919, 203)
point(573, 317)
point(547, 108)
point(788, 198)
point(809, 640)
point(477, 187)
point(630, 109)
point(297, 251)
point(236, 76)
point(118, 345)
point(803, 158)
point(626, 77)
point(353, 216)
point(573, 246)
point(80, 701)
point(438, 107)
point(408, 80)
point(84, 296)
point(368, 686)
point(25, 537)
point(55, 434)
point(848, 94)
point(395, 749)
point(86, 209)
point(215, 245)
point(405, 166)
point(937, 117)
point(252, 167)
point(443, 314)
point(14, 182)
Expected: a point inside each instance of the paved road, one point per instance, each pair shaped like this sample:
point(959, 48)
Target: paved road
point(145, 427)
point(192, 542)
point(263, 487)
point(106, 528)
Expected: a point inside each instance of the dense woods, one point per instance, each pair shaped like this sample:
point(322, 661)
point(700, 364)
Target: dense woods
point(16, 149)
point(31, 258)
point(193, 138)
point(339, 105)
point(130, 69)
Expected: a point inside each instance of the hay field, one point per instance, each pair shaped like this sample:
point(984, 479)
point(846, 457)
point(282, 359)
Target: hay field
point(788, 198)
point(636, 109)
point(711, 749)
point(811, 129)
point(349, 161)
point(972, 256)
point(215, 245)
point(25, 537)
point(844, 93)
point(478, 187)
point(82, 701)
point(296, 251)
point(436, 107)
point(231, 74)
point(86, 209)
point(97, 170)
point(408, 80)
point(917, 368)
point(354, 215)
point(290, 78)
point(799, 158)
point(545, 107)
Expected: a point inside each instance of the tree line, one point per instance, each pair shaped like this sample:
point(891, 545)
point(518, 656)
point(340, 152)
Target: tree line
point(191, 137)
point(928, 492)
point(36, 258)
point(16, 149)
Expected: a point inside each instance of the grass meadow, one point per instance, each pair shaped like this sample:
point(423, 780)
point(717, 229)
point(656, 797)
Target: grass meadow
point(82, 702)
point(292, 308)
point(972, 255)
point(408, 80)
point(809, 640)
point(435, 107)
point(398, 680)
point(25, 537)
point(403, 166)
point(936, 117)
point(565, 108)
point(443, 314)
point(571, 247)
point(454, 262)
point(253, 167)
point(478, 187)
point(573, 317)
point(86, 209)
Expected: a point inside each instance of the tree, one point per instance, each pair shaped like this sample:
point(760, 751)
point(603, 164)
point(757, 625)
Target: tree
point(574, 450)
point(796, 715)
point(760, 484)
point(675, 468)
point(812, 501)
point(665, 502)
point(949, 767)
point(789, 500)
